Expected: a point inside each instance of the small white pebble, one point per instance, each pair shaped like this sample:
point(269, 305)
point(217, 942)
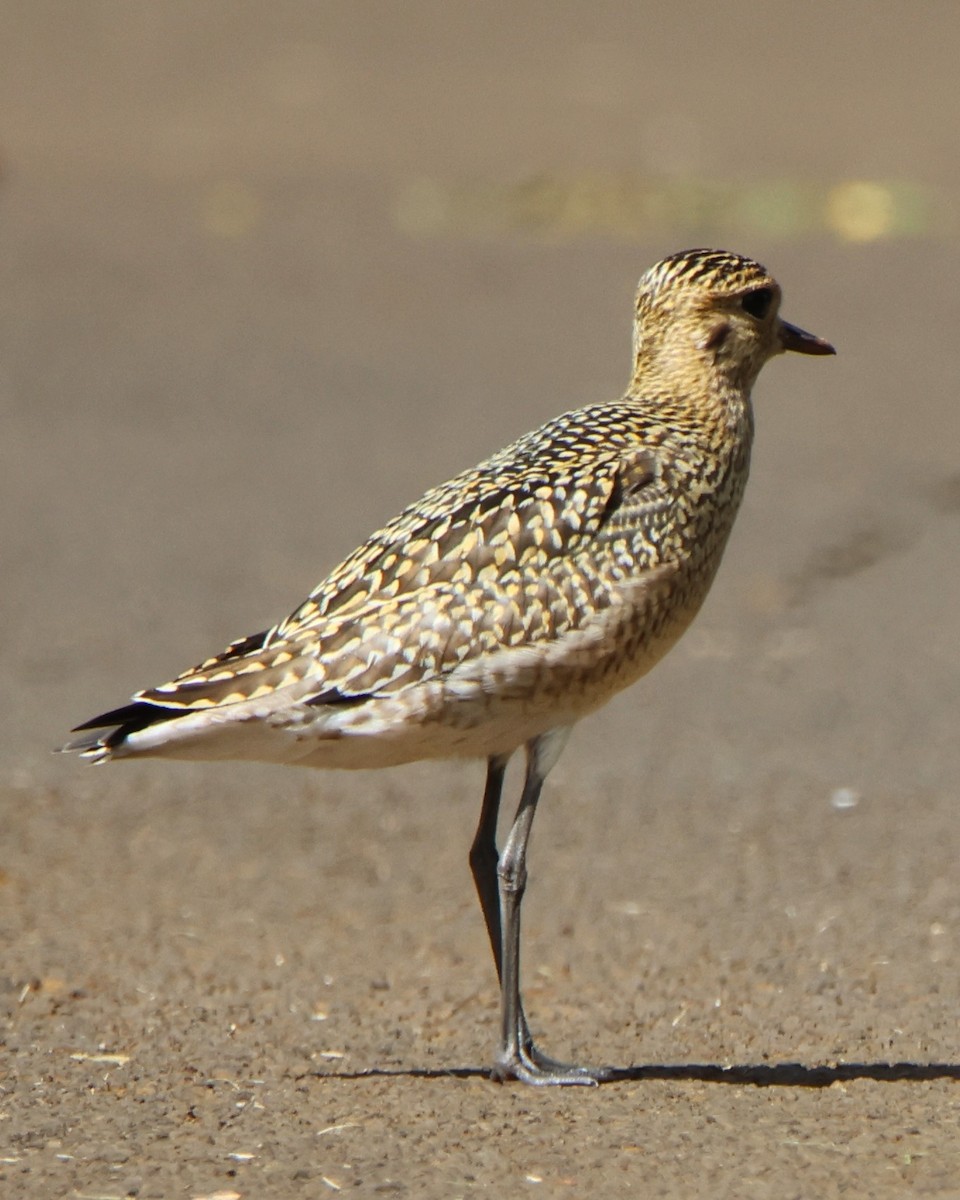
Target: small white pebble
point(845, 798)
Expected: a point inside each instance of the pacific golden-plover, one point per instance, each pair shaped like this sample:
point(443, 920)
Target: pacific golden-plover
point(511, 601)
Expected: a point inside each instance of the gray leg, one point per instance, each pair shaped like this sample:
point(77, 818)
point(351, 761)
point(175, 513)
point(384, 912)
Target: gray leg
point(484, 858)
point(518, 1057)
point(484, 862)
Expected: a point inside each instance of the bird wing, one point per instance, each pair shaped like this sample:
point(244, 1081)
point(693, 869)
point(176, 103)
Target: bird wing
point(504, 555)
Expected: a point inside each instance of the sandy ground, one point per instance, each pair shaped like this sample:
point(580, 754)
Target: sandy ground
point(266, 276)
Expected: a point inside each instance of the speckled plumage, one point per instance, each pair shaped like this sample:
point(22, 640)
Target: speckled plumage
point(520, 595)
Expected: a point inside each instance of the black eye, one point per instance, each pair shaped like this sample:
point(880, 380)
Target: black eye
point(757, 303)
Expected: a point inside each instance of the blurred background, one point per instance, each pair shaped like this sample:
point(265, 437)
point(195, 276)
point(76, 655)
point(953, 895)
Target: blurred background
point(269, 271)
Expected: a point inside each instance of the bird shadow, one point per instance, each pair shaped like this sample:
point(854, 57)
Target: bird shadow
point(784, 1074)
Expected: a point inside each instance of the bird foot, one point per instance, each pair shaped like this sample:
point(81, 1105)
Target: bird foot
point(527, 1064)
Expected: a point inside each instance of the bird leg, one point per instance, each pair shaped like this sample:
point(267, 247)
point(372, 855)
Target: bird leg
point(484, 857)
point(484, 861)
point(500, 882)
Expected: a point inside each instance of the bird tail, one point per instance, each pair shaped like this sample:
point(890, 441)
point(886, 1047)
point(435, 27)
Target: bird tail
point(99, 746)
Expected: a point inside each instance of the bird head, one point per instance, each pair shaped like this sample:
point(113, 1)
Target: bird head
point(715, 312)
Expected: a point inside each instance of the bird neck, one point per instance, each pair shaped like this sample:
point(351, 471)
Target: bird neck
point(700, 379)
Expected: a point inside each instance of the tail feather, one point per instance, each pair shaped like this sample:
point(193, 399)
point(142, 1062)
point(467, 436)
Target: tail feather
point(131, 718)
point(151, 707)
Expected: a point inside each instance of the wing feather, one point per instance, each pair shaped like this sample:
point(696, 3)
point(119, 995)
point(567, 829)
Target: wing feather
point(518, 551)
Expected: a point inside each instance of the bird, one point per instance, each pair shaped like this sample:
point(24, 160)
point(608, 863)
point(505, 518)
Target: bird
point(509, 602)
